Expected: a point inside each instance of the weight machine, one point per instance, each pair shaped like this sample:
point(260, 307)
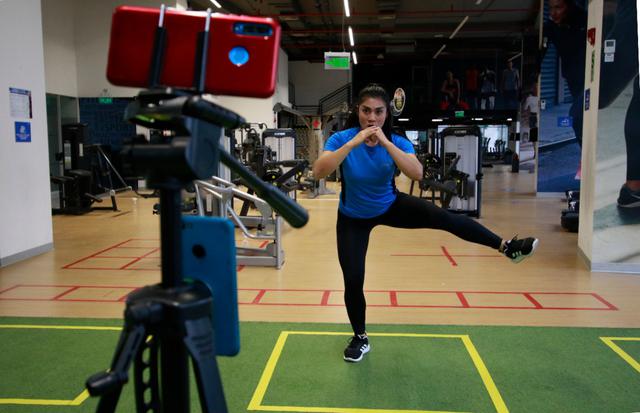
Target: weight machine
point(216, 197)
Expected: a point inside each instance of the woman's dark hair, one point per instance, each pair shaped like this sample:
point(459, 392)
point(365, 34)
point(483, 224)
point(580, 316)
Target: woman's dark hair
point(372, 90)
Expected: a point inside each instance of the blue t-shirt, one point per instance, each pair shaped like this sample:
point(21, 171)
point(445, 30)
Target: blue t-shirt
point(367, 174)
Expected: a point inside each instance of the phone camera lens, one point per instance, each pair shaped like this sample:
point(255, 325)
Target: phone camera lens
point(239, 56)
point(252, 29)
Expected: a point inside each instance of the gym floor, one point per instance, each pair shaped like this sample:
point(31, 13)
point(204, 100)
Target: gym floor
point(420, 285)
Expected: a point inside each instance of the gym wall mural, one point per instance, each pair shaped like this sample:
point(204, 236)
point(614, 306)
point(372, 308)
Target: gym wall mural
point(561, 90)
point(616, 226)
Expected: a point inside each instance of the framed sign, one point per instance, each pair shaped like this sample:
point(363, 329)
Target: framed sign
point(398, 102)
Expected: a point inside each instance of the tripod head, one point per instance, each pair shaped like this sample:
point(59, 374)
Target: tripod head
point(194, 153)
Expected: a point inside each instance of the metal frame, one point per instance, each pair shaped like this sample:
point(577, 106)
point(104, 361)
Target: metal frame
point(267, 226)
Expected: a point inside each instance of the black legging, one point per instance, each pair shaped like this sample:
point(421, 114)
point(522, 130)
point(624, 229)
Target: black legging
point(406, 212)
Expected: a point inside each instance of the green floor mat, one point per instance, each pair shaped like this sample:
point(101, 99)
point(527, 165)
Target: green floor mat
point(299, 368)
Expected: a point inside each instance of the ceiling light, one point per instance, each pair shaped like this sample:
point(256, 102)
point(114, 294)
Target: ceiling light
point(509, 119)
point(478, 2)
point(355, 58)
point(386, 16)
point(288, 17)
point(478, 119)
point(402, 48)
point(346, 8)
point(436, 120)
point(435, 56)
point(459, 27)
point(403, 119)
point(439, 35)
point(515, 57)
point(215, 3)
point(351, 37)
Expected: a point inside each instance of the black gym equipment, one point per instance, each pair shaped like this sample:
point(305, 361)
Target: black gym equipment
point(453, 170)
point(447, 184)
point(495, 154)
point(171, 321)
point(89, 175)
point(287, 175)
point(570, 217)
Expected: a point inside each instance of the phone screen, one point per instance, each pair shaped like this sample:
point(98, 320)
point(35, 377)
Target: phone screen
point(242, 57)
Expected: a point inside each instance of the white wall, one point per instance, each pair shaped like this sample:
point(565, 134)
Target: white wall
point(58, 27)
point(76, 42)
point(93, 26)
point(282, 88)
point(312, 82)
point(25, 206)
point(589, 138)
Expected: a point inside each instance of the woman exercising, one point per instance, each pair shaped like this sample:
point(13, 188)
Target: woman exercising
point(367, 154)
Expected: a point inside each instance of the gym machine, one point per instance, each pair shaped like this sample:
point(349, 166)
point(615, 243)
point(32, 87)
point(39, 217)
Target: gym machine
point(271, 157)
point(460, 146)
point(447, 184)
point(89, 174)
point(216, 196)
point(453, 169)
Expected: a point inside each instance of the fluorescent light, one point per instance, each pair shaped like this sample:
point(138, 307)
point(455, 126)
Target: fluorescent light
point(459, 27)
point(386, 16)
point(403, 119)
point(355, 58)
point(215, 3)
point(478, 119)
point(346, 8)
point(515, 57)
point(436, 120)
point(435, 56)
point(509, 119)
point(351, 37)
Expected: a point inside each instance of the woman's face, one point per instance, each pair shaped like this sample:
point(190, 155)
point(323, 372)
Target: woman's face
point(558, 11)
point(372, 112)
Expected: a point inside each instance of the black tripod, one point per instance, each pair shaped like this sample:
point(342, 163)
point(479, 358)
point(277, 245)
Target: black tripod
point(167, 323)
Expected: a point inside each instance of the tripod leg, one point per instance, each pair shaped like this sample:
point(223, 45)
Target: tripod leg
point(199, 342)
point(151, 387)
point(109, 384)
point(108, 402)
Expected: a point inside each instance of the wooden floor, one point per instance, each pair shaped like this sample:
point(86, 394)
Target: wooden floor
point(413, 276)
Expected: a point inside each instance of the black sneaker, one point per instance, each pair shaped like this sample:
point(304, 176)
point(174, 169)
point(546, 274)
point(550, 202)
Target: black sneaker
point(519, 249)
point(357, 348)
point(628, 198)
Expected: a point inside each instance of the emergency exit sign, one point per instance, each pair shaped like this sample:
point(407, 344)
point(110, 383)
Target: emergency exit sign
point(459, 113)
point(337, 60)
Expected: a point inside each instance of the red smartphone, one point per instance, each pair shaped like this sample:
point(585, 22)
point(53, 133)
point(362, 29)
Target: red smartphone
point(242, 58)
